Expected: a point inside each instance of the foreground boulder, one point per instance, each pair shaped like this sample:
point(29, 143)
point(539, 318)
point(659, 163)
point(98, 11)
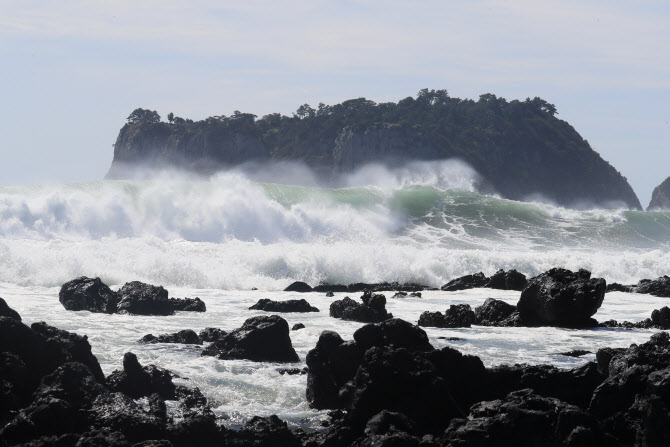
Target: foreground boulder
point(458, 315)
point(6, 311)
point(283, 306)
point(261, 339)
point(563, 298)
point(186, 337)
point(133, 298)
point(372, 310)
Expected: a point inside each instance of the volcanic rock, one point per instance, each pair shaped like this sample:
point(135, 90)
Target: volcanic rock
point(261, 339)
point(466, 282)
point(88, 294)
point(187, 337)
point(496, 313)
point(283, 306)
point(507, 280)
point(298, 326)
point(562, 298)
point(6, 311)
point(211, 334)
point(458, 315)
point(372, 310)
point(298, 286)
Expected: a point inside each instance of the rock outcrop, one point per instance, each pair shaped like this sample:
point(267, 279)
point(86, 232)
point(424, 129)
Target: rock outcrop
point(660, 197)
point(458, 315)
point(261, 339)
point(560, 297)
point(186, 337)
point(135, 298)
point(283, 306)
point(372, 310)
point(6, 311)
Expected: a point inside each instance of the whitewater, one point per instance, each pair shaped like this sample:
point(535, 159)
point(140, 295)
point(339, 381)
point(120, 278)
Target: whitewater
point(220, 237)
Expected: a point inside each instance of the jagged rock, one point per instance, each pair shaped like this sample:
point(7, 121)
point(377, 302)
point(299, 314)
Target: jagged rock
point(661, 317)
point(660, 197)
point(88, 294)
point(616, 287)
point(187, 305)
point(560, 297)
point(262, 339)
point(575, 353)
point(466, 282)
point(644, 324)
point(187, 337)
point(523, 418)
point(119, 413)
point(507, 280)
point(137, 381)
point(144, 299)
point(292, 371)
point(496, 313)
point(298, 326)
point(263, 431)
point(283, 306)
point(298, 286)
point(372, 310)
point(657, 287)
point(6, 311)
point(211, 334)
point(458, 315)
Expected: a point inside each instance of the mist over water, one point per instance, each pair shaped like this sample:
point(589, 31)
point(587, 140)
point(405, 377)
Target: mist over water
point(423, 223)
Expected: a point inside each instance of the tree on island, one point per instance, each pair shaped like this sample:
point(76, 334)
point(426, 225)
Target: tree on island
point(144, 116)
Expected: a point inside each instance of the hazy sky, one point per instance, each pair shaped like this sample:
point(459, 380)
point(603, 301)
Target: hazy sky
point(71, 72)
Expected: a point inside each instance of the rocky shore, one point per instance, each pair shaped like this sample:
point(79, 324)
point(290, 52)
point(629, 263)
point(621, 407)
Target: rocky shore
point(388, 386)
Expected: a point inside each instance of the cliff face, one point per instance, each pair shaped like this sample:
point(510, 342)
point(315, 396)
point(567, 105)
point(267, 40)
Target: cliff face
point(520, 149)
point(660, 198)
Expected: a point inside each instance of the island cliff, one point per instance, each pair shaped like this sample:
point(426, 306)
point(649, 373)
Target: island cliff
point(520, 148)
point(660, 198)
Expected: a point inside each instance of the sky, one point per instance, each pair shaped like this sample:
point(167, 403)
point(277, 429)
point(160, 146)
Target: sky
point(72, 71)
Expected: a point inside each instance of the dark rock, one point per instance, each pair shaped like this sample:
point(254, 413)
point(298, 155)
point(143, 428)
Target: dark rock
point(372, 310)
point(117, 412)
point(298, 286)
point(451, 338)
point(6, 311)
point(144, 299)
point(657, 287)
point(523, 418)
point(292, 371)
point(400, 295)
point(466, 282)
point(283, 306)
point(88, 294)
point(330, 288)
point(137, 381)
point(562, 298)
point(263, 431)
point(262, 339)
point(187, 337)
point(415, 294)
point(458, 315)
point(644, 324)
point(507, 280)
point(396, 332)
point(298, 326)
point(575, 353)
point(616, 287)
point(187, 305)
point(211, 334)
point(197, 430)
point(496, 313)
point(330, 294)
point(661, 317)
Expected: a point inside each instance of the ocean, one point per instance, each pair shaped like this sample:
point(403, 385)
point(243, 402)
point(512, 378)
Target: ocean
point(218, 238)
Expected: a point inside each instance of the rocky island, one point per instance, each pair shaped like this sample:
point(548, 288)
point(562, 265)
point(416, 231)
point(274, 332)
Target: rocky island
point(520, 149)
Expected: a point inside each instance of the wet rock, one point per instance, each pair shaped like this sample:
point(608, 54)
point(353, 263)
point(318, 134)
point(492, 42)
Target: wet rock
point(262, 431)
point(661, 317)
point(298, 286)
point(458, 315)
point(187, 305)
point(330, 288)
point(415, 294)
point(292, 371)
point(137, 381)
point(211, 334)
point(466, 282)
point(187, 337)
point(523, 418)
point(507, 280)
point(89, 294)
point(144, 299)
point(262, 339)
point(496, 313)
point(657, 287)
point(451, 338)
point(119, 413)
point(283, 306)
point(644, 324)
point(400, 295)
point(297, 327)
point(372, 310)
point(6, 311)
point(616, 287)
point(562, 298)
point(575, 353)
point(330, 294)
